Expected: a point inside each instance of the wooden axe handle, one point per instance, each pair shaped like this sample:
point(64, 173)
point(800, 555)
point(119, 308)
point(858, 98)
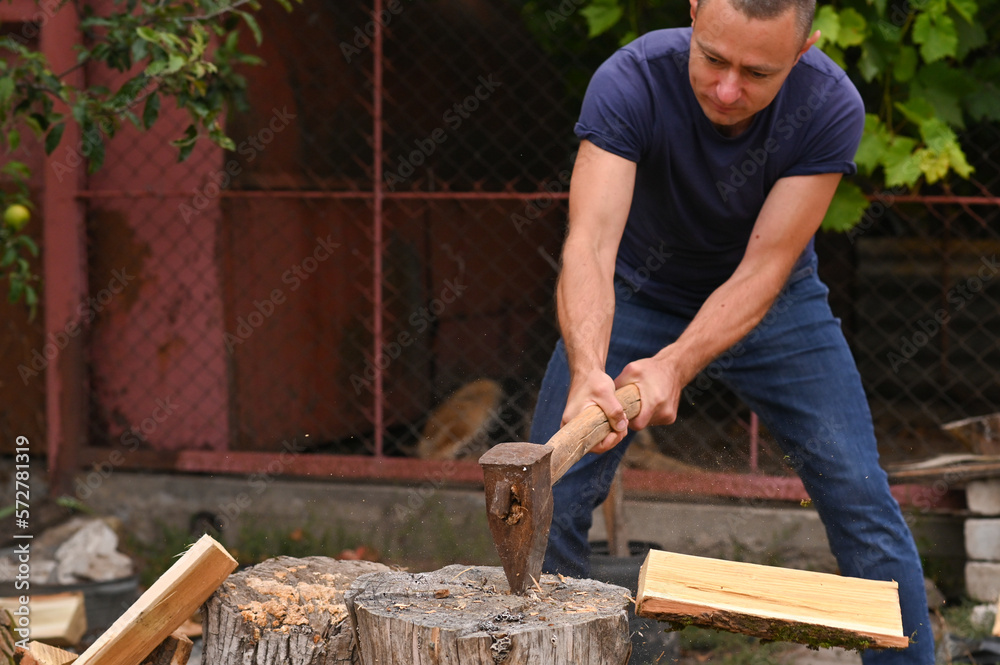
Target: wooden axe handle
point(588, 429)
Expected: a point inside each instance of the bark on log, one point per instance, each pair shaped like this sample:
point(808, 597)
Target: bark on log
point(284, 611)
point(463, 615)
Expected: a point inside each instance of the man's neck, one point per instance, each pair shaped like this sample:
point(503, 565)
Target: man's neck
point(736, 129)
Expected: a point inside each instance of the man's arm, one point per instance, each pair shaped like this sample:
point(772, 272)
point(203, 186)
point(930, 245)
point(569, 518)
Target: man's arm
point(599, 199)
point(791, 215)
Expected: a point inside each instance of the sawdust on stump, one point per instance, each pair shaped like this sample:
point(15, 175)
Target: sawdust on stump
point(465, 615)
point(284, 611)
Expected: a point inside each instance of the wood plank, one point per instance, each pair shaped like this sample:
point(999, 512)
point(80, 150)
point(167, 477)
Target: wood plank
point(169, 602)
point(818, 609)
point(39, 653)
point(59, 618)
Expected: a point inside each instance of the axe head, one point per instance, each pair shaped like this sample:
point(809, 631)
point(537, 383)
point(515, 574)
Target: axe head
point(518, 481)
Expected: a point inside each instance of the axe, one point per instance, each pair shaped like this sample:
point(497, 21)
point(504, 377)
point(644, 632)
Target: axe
point(518, 478)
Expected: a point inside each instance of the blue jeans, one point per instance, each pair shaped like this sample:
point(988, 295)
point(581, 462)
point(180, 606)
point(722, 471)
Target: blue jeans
point(796, 372)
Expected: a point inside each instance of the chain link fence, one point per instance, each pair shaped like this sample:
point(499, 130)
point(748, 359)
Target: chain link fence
point(267, 297)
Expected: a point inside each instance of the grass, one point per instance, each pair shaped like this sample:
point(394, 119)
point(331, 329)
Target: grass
point(958, 621)
point(253, 544)
point(256, 544)
point(153, 559)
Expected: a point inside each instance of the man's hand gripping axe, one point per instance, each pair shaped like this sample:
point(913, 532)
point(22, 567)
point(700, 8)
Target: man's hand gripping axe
point(519, 478)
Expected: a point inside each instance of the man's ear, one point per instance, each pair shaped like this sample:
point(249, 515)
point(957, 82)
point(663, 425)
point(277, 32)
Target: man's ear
point(694, 10)
point(813, 38)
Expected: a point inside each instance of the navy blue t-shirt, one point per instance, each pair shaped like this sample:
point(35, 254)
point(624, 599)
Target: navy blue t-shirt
point(697, 192)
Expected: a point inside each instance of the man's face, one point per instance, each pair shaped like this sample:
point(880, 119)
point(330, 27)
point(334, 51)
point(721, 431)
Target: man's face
point(738, 64)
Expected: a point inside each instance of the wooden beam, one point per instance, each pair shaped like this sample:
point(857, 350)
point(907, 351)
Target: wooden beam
point(58, 619)
point(779, 604)
point(39, 653)
point(170, 601)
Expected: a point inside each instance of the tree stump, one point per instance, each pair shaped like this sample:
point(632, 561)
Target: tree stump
point(464, 615)
point(284, 611)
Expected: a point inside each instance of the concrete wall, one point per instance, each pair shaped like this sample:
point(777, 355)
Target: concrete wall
point(424, 528)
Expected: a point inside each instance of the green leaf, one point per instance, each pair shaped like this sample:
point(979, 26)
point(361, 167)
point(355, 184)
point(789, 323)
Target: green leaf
point(959, 164)
point(966, 8)
point(185, 152)
point(151, 111)
point(155, 68)
point(16, 169)
point(935, 8)
point(916, 110)
point(828, 23)
point(251, 22)
point(971, 36)
point(944, 87)
point(13, 140)
point(30, 296)
point(981, 103)
point(140, 50)
point(853, 28)
point(6, 88)
point(16, 288)
point(888, 30)
point(836, 55)
point(906, 64)
point(934, 165)
point(38, 123)
point(601, 15)
point(53, 138)
point(220, 139)
point(874, 144)
point(848, 205)
point(901, 166)
point(186, 143)
point(95, 157)
point(9, 256)
point(628, 38)
point(148, 34)
point(175, 63)
point(28, 244)
point(937, 37)
point(872, 61)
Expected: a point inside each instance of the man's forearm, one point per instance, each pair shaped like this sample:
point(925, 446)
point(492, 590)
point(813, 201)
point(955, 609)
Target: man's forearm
point(725, 318)
point(585, 304)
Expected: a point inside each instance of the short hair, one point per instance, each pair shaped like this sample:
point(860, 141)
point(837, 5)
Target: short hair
point(761, 10)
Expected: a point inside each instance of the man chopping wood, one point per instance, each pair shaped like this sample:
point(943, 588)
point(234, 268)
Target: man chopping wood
point(708, 158)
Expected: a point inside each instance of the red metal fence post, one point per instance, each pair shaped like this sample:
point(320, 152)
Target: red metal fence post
point(65, 274)
point(377, 249)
